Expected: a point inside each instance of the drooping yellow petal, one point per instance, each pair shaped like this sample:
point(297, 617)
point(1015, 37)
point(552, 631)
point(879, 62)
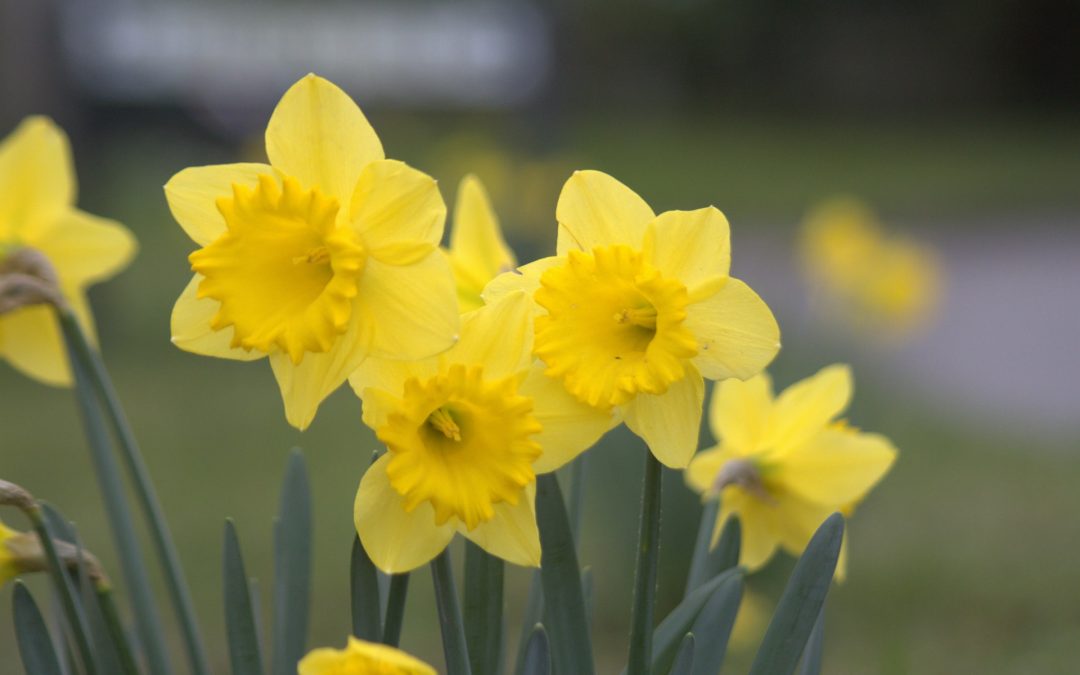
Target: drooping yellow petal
point(594, 210)
point(569, 427)
point(193, 193)
point(759, 540)
point(835, 466)
point(526, 278)
point(736, 332)
point(669, 422)
point(795, 520)
point(498, 336)
point(395, 540)
point(691, 246)
point(362, 658)
point(397, 211)
point(512, 534)
point(701, 474)
point(318, 135)
point(30, 340)
point(478, 251)
point(37, 176)
point(191, 331)
point(806, 407)
point(739, 412)
point(411, 310)
point(84, 248)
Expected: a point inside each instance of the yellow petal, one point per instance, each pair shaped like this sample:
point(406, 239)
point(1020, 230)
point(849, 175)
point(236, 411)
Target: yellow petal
point(83, 247)
point(389, 375)
point(569, 427)
point(411, 310)
point(526, 278)
point(806, 407)
point(739, 412)
point(318, 135)
point(691, 246)
point(193, 193)
point(835, 467)
point(795, 520)
point(701, 473)
point(842, 560)
point(512, 534)
point(305, 385)
point(398, 212)
point(31, 341)
point(497, 336)
point(359, 658)
point(395, 541)
point(190, 327)
point(736, 333)
point(377, 406)
point(669, 422)
point(759, 540)
point(478, 251)
point(594, 210)
point(37, 175)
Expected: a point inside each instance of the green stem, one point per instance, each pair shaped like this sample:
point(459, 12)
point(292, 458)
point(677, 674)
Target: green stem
point(395, 609)
point(112, 490)
point(116, 630)
point(641, 622)
point(453, 628)
point(483, 609)
point(144, 490)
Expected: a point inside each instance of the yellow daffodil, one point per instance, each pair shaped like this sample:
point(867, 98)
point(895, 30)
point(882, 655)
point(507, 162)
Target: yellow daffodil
point(9, 568)
point(783, 465)
point(324, 256)
point(44, 237)
point(636, 308)
point(362, 658)
point(478, 252)
point(890, 284)
point(466, 432)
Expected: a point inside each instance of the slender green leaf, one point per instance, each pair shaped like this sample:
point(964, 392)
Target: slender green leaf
point(364, 591)
point(684, 658)
point(587, 592)
point(713, 626)
point(801, 603)
point(137, 582)
point(537, 659)
point(292, 569)
point(240, 625)
point(815, 648)
point(120, 637)
point(483, 609)
point(32, 635)
point(575, 507)
point(144, 490)
point(531, 616)
point(395, 609)
point(561, 578)
point(455, 646)
point(697, 575)
point(641, 618)
point(707, 563)
point(106, 650)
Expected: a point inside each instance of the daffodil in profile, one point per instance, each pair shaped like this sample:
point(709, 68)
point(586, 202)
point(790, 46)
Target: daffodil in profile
point(324, 256)
point(636, 309)
point(9, 565)
point(889, 284)
point(362, 658)
point(466, 433)
point(47, 248)
point(478, 253)
point(784, 464)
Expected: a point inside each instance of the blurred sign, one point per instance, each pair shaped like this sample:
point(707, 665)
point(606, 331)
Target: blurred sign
point(242, 54)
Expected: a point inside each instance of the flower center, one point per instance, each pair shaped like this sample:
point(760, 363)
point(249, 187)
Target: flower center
point(614, 326)
point(746, 474)
point(283, 271)
point(461, 443)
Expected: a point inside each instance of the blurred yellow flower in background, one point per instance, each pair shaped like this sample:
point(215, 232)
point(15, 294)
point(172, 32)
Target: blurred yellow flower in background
point(325, 256)
point(636, 308)
point(44, 237)
point(886, 283)
point(9, 567)
point(784, 464)
point(362, 658)
point(467, 432)
point(478, 252)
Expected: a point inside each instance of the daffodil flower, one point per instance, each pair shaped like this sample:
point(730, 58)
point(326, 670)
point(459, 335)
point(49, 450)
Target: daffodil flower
point(478, 252)
point(466, 434)
point(783, 465)
point(362, 658)
point(9, 564)
point(319, 259)
point(43, 237)
point(635, 309)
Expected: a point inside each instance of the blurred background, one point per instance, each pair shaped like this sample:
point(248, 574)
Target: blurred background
point(957, 124)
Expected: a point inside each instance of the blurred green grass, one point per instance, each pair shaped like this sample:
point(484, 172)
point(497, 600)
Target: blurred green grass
point(962, 561)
